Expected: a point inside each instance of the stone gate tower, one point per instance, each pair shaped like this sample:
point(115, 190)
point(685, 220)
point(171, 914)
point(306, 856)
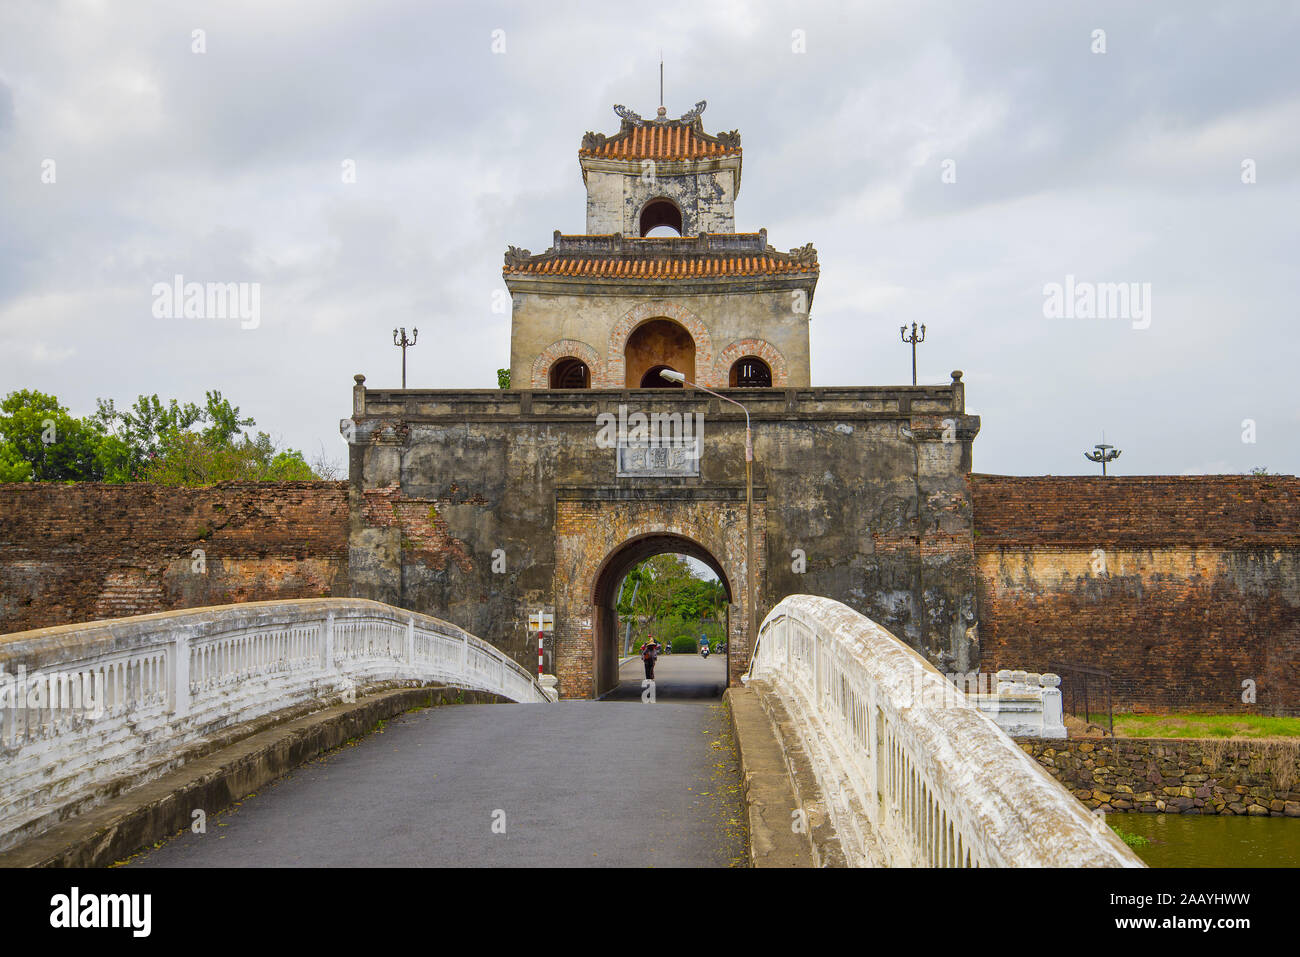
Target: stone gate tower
point(611, 308)
point(483, 506)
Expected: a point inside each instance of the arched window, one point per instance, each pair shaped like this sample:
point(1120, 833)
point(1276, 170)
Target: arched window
point(750, 372)
point(661, 212)
point(570, 373)
point(657, 344)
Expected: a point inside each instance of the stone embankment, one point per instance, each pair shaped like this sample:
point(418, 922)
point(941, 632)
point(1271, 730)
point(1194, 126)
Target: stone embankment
point(1177, 776)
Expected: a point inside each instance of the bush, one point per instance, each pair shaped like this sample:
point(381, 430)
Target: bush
point(685, 634)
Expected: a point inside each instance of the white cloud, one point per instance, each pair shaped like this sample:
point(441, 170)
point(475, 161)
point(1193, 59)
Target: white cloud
point(226, 166)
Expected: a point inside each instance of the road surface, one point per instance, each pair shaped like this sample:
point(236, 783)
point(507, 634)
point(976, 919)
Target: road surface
point(579, 783)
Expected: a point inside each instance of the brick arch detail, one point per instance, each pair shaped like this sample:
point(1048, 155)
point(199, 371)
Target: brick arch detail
point(590, 533)
point(752, 347)
point(615, 367)
point(561, 350)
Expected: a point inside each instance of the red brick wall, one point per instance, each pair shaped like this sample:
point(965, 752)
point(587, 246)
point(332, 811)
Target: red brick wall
point(72, 553)
point(1199, 591)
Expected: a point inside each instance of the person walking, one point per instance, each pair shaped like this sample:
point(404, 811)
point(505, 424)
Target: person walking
point(649, 654)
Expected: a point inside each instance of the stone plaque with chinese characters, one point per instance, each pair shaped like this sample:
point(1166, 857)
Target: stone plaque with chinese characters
point(659, 460)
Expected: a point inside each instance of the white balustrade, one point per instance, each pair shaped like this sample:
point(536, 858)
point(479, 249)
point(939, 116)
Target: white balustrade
point(84, 705)
point(913, 774)
point(1025, 704)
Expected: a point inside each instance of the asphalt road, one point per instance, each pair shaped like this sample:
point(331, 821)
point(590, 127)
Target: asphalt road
point(582, 783)
point(677, 678)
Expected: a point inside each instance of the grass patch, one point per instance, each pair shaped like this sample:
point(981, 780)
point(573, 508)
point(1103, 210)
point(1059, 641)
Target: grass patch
point(1132, 840)
point(1205, 726)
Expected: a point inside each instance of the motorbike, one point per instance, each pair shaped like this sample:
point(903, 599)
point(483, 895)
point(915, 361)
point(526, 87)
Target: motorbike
point(704, 651)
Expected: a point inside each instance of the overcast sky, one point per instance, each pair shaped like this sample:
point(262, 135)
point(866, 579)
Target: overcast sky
point(226, 166)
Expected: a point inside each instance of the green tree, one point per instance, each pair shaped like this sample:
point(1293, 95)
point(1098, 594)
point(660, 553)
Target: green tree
point(57, 447)
point(670, 601)
point(170, 443)
point(503, 378)
point(139, 433)
point(191, 459)
point(13, 467)
point(223, 420)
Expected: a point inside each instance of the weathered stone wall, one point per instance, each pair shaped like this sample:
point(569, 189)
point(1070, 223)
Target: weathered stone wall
point(704, 191)
point(75, 553)
point(860, 481)
point(1185, 588)
point(1177, 775)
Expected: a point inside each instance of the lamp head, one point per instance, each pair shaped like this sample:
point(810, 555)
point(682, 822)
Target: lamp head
point(672, 376)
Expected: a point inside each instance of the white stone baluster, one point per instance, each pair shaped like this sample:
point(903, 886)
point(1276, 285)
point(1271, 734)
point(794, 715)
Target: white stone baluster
point(179, 704)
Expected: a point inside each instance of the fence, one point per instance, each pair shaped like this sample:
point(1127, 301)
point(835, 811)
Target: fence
point(912, 773)
point(85, 705)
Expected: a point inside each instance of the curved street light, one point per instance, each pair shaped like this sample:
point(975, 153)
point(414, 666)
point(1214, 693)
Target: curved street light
point(750, 571)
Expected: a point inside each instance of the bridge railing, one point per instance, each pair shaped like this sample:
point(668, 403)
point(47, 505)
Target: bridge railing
point(85, 705)
point(913, 774)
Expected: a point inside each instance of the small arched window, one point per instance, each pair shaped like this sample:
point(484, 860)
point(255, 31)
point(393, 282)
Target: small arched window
point(661, 213)
point(750, 372)
point(570, 373)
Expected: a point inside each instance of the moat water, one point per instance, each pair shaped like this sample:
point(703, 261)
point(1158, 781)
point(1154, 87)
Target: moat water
point(1214, 840)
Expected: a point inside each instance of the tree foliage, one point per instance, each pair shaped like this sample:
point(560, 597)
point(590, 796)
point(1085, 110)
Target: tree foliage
point(662, 594)
point(56, 447)
point(170, 443)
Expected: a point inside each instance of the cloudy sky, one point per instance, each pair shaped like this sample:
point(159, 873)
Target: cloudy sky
point(226, 166)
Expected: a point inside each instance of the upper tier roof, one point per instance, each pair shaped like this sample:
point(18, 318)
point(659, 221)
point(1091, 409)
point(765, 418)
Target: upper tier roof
point(660, 138)
point(619, 257)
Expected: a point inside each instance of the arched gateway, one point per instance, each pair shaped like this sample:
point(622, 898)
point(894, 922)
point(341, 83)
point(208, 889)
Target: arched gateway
point(489, 507)
point(604, 595)
point(597, 543)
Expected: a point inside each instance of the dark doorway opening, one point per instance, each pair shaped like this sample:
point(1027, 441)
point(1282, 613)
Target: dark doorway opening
point(653, 380)
point(661, 213)
point(658, 344)
point(570, 373)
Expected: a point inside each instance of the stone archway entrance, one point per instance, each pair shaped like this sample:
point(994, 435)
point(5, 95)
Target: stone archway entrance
point(602, 532)
point(604, 623)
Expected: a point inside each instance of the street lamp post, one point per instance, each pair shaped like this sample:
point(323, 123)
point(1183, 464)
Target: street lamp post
point(750, 570)
point(1105, 453)
point(913, 339)
point(404, 343)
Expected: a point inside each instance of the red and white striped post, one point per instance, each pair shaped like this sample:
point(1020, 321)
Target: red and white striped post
point(541, 635)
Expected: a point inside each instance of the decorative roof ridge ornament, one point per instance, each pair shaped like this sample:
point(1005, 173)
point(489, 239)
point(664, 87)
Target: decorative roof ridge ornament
point(690, 116)
point(516, 257)
point(805, 255)
point(627, 115)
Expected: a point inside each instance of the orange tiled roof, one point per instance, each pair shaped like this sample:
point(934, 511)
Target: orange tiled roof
point(671, 140)
point(677, 267)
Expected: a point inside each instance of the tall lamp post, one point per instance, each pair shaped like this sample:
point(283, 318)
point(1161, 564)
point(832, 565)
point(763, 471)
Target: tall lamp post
point(914, 339)
point(1105, 453)
point(750, 570)
point(404, 343)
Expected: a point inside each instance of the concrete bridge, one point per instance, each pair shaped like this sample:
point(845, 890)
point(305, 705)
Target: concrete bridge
point(851, 748)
